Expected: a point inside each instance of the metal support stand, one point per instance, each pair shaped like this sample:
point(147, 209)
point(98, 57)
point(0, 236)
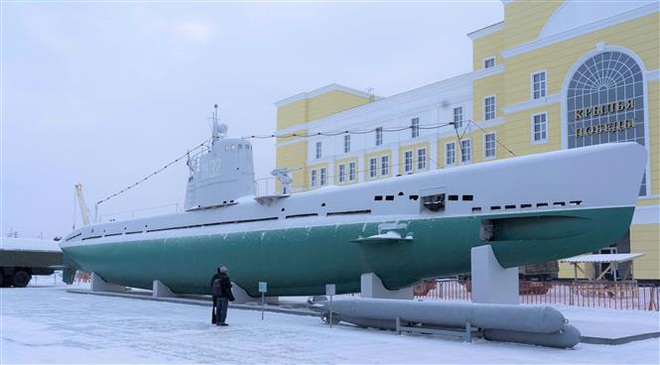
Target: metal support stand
point(98, 284)
point(263, 288)
point(466, 334)
point(263, 303)
point(491, 283)
point(372, 287)
point(331, 311)
point(330, 290)
point(160, 290)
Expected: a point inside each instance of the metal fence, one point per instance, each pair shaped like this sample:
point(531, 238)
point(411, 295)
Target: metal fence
point(626, 295)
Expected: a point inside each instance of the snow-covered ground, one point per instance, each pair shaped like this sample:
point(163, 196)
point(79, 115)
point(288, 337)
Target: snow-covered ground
point(43, 323)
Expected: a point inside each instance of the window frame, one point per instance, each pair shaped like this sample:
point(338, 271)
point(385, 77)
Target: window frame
point(485, 111)
point(408, 163)
point(314, 178)
point(341, 175)
point(323, 176)
point(544, 124)
point(319, 150)
point(469, 149)
point(347, 143)
point(453, 143)
point(543, 88)
point(494, 155)
point(414, 127)
point(421, 163)
point(373, 167)
point(459, 123)
point(385, 165)
point(485, 62)
point(352, 171)
point(379, 136)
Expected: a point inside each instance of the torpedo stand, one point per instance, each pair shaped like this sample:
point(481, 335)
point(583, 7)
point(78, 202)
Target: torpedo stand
point(491, 284)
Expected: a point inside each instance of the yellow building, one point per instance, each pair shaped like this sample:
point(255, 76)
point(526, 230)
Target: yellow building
point(553, 75)
point(571, 74)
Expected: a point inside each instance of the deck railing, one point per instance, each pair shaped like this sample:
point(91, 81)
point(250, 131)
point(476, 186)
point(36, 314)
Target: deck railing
point(626, 295)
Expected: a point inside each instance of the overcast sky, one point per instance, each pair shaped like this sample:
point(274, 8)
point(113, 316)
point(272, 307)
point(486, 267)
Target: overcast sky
point(106, 93)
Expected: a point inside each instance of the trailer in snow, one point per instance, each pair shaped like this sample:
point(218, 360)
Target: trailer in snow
point(21, 258)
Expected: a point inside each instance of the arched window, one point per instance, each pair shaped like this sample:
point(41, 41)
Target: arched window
point(605, 102)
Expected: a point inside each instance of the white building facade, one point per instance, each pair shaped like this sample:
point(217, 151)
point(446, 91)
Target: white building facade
point(384, 137)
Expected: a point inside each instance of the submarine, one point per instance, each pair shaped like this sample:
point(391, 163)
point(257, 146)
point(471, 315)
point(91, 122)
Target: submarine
point(404, 229)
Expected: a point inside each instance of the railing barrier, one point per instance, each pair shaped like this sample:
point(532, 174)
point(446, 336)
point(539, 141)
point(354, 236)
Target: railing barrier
point(626, 295)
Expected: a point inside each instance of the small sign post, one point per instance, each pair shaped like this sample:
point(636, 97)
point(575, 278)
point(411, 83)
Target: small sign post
point(263, 287)
point(330, 289)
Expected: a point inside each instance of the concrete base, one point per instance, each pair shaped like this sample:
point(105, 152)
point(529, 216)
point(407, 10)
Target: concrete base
point(491, 283)
point(160, 290)
point(98, 284)
point(242, 297)
point(372, 287)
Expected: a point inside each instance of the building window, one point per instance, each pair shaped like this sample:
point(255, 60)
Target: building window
point(315, 178)
point(414, 128)
point(450, 153)
point(540, 128)
point(347, 143)
point(458, 117)
point(489, 107)
point(373, 167)
point(408, 162)
point(351, 171)
point(489, 62)
point(538, 85)
point(605, 103)
point(421, 159)
point(466, 151)
point(379, 136)
point(324, 176)
point(490, 146)
point(384, 165)
point(342, 173)
point(319, 150)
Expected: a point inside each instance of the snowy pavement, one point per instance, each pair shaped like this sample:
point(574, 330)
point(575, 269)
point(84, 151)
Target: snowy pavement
point(46, 324)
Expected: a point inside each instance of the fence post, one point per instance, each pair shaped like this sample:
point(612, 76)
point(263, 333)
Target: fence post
point(652, 302)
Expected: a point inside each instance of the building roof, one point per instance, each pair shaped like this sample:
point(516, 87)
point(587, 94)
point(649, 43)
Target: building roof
point(321, 91)
point(612, 257)
point(486, 30)
point(28, 244)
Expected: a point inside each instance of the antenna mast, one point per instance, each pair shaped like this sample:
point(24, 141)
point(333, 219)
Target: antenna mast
point(219, 130)
point(372, 94)
point(84, 212)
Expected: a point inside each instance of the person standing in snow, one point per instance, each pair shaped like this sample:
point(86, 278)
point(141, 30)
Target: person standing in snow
point(222, 295)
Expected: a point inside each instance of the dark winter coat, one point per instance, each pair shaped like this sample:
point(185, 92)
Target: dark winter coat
point(225, 284)
point(215, 276)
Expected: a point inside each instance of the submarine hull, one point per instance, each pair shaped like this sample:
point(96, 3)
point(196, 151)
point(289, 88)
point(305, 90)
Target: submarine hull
point(405, 229)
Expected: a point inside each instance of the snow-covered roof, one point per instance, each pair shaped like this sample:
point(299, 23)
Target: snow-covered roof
point(574, 14)
point(321, 91)
point(28, 244)
point(611, 257)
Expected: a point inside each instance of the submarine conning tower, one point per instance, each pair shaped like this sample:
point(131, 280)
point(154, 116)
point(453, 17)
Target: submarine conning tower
point(220, 174)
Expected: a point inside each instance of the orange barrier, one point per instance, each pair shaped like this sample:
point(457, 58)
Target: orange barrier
point(626, 295)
